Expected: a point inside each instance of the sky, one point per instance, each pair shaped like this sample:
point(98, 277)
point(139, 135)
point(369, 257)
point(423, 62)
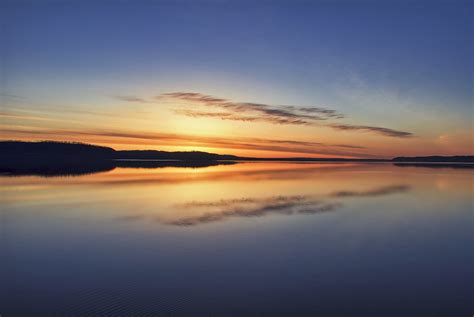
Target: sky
point(254, 78)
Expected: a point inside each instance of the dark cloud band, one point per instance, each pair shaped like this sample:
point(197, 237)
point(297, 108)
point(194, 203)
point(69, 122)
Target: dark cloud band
point(283, 114)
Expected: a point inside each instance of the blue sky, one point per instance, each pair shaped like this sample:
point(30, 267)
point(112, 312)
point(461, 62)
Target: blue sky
point(403, 64)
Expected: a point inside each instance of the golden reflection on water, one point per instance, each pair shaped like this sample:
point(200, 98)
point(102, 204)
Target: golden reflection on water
point(192, 196)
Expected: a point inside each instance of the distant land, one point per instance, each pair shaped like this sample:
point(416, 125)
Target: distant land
point(440, 159)
point(52, 151)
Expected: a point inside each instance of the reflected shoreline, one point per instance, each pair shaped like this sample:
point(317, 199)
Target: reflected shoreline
point(50, 158)
point(435, 165)
point(202, 212)
point(56, 168)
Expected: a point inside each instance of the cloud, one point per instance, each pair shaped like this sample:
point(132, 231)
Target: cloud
point(130, 98)
point(194, 96)
point(11, 97)
point(258, 112)
point(238, 117)
point(273, 114)
point(305, 143)
point(164, 139)
point(327, 112)
point(219, 115)
point(22, 116)
point(377, 130)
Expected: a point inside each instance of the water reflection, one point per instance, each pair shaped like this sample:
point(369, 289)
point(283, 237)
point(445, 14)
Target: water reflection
point(293, 239)
point(252, 207)
point(219, 210)
point(437, 165)
point(54, 168)
point(385, 190)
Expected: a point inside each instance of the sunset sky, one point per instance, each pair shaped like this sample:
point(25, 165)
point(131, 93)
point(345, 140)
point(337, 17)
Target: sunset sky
point(252, 78)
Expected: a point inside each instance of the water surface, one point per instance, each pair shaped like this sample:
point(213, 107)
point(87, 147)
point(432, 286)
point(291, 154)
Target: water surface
point(239, 239)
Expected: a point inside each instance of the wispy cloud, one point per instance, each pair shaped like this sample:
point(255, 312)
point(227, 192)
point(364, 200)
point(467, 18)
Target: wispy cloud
point(378, 130)
point(170, 139)
point(258, 111)
point(11, 97)
point(22, 116)
point(280, 114)
point(239, 117)
point(131, 98)
point(282, 110)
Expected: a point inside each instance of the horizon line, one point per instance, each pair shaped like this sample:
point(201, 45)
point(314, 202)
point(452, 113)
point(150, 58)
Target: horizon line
point(242, 157)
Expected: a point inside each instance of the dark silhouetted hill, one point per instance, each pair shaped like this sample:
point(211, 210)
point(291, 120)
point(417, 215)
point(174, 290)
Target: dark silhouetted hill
point(79, 151)
point(49, 159)
point(48, 150)
point(54, 168)
point(163, 155)
point(171, 163)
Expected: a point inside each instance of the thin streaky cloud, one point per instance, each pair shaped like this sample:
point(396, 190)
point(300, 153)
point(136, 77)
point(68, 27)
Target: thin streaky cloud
point(349, 146)
point(307, 143)
point(239, 117)
point(11, 96)
point(13, 115)
point(162, 139)
point(283, 114)
point(51, 111)
point(131, 98)
point(301, 115)
point(378, 130)
point(328, 112)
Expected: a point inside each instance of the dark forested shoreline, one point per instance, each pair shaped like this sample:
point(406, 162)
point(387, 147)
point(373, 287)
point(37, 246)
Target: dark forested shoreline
point(56, 151)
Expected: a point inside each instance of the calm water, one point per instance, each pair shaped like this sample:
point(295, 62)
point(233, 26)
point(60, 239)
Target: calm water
point(244, 239)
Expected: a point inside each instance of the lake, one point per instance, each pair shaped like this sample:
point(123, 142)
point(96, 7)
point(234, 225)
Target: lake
point(246, 239)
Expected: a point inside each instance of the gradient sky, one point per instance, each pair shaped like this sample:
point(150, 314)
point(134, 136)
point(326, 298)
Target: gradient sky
point(261, 78)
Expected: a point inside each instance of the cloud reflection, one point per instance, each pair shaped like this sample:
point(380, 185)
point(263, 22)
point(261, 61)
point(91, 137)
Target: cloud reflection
point(220, 210)
point(253, 207)
point(386, 190)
